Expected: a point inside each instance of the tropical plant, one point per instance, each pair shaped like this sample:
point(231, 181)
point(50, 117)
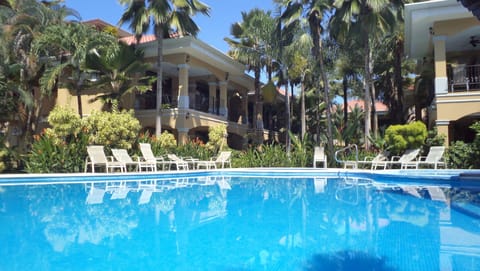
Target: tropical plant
point(120, 71)
point(314, 11)
point(264, 155)
point(69, 44)
point(460, 155)
point(23, 23)
point(217, 138)
point(351, 131)
point(366, 20)
point(62, 147)
point(300, 156)
point(50, 154)
point(251, 45)
point(165, 15)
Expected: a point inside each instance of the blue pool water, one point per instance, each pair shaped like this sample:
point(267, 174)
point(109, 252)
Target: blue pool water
point(229, 221)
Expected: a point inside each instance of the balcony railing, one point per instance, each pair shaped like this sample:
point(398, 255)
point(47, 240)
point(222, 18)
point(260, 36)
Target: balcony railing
point(464, 78)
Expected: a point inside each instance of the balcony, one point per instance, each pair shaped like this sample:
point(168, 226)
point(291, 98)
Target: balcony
point(463, 78)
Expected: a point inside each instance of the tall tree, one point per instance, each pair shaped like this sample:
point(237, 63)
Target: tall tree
point(164, 15)
point(69, 44)
point(370, 19)
point(315, 11)
point(252, 45)
point(23, 23)
point(297, 58)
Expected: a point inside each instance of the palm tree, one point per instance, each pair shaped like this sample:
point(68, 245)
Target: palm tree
point(369, 19)
point(164, 15)
point(119, 69)
point(69, 44)
point(314, 11)
point(297, 58)
point(252, 46)
point(24, 22)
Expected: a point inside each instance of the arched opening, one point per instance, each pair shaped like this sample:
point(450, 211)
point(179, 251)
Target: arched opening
point(459, 130)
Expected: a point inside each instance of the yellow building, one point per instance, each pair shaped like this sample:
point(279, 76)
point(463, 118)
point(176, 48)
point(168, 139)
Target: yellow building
point(202, 87)
point(447, 35)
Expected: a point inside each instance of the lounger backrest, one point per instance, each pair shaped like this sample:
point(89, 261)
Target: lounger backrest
point(146, 150)
point(319, 153)
point(122, 155)
point(97, 154)
point(383, 156)
point(435, 154)
point(224, 156)
point(409, 155)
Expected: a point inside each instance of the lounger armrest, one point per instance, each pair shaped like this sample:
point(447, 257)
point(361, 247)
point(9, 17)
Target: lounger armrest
point(368, 158)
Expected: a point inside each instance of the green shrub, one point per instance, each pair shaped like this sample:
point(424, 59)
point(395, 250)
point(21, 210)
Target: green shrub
point(196, 149)
point(165, 143)
point(476, 144)
point(64, 122)
point(460, 155)
point(3, 155)
point(49, 154)
point(217, 138)
point(402, 137)
point(270, 155)
point(112, 129)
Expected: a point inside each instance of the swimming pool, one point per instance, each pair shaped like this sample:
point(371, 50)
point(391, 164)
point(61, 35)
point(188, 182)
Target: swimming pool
point(242, 220)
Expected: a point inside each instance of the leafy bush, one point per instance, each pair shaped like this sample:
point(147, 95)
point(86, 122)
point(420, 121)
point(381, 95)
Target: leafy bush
point(217, 138)
point(433, 139)
point(50, 154)
point(62, 148)
point(460, 155)
point(3, 155)
point(165, 143)
point(64, 122)
point(476, 144)
point(112, 129)
point(270, 155)
point(196, 149)
point(300, 155)
point(402, 137)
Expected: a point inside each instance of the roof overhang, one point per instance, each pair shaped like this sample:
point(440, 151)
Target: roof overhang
point(419, 22)
point(197, 49)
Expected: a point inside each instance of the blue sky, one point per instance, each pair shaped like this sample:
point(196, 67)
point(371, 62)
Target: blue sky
point(212, 29)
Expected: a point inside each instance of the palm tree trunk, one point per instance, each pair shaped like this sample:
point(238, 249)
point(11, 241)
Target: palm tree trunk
point(398, 115)
point(258, 108)
point(158, 118)
point(345, 105)
point(374, 112)
point(79, 103)
point(287, 115)
point(302, 111)
point(318, 53)
point(367, 99)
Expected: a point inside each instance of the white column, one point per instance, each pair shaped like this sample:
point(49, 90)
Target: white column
point(212, 93)
point(223, 99)
point(183, 99)
point(441, 80)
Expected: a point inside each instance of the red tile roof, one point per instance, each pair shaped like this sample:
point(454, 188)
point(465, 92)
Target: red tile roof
point(147, 38)
point(144, 39)
point(379, 106)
